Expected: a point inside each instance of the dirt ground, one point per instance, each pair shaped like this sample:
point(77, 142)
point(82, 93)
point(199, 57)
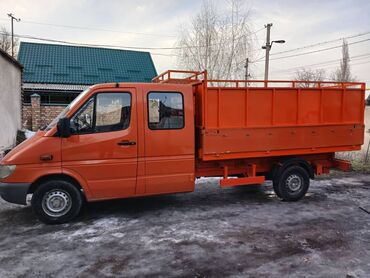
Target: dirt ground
point(212, 232)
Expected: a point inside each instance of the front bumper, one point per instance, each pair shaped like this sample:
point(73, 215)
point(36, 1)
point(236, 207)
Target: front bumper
point(14, 192)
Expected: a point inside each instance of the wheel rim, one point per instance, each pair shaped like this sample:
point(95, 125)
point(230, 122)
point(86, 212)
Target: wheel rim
point(294, 183)
point(56, 203)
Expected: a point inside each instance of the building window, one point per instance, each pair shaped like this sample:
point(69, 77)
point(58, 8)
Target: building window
point(165, 110)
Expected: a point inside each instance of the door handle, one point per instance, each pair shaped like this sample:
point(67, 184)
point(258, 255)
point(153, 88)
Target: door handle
point(46, 157)
point(126, 143)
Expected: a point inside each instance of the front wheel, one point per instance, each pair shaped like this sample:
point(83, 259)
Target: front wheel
point(293, 184)
point(56, 202)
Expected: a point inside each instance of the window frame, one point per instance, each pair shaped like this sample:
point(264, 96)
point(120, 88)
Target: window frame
point(183, 109)
point(94, 112)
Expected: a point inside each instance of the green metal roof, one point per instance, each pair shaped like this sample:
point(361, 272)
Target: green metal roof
point(64, 64)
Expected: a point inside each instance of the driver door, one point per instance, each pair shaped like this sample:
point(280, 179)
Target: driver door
point(102, 148)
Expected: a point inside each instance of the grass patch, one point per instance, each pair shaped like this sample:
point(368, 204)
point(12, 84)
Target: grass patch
point(357, 160)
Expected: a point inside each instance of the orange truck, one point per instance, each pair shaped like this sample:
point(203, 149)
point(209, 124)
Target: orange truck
point(124, 140)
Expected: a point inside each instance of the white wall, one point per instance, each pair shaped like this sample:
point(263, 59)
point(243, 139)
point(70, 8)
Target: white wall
point(10, 102)
point(367, 129)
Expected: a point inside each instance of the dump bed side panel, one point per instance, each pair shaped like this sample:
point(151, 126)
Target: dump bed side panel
point(256, 122)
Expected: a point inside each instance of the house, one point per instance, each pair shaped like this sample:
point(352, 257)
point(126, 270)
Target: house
point(10, 100)
point(55, 74)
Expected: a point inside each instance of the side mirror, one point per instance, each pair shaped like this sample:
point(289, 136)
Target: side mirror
point(64, 128)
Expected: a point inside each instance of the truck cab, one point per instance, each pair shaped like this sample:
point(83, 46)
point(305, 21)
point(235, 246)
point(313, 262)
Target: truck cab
point(112, 141)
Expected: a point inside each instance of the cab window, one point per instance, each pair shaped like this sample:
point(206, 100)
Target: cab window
point(165, 110)
point(103, 112)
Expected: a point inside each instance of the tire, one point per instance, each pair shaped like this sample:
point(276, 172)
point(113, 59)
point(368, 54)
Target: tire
point(56, 202)
point(293, 184)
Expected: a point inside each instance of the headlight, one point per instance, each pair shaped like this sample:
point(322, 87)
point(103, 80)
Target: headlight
point(6, 171)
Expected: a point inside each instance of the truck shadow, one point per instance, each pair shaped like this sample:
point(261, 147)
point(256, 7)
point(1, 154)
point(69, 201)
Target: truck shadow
point(203, 198)
point(208, 198)
point(181, 202)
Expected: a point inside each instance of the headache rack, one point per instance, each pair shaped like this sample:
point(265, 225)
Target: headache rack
point(195, 77)
point(180, 77)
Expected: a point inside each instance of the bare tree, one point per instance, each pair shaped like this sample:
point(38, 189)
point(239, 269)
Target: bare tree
point(216, 42)
point(343, 73)
point(6, 41)
point(309, 75)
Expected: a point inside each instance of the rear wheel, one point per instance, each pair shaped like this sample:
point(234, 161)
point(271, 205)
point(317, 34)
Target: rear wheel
point(292, 184)
point(56, 202)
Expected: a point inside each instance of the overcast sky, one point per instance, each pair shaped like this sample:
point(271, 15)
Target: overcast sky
point(156, 23)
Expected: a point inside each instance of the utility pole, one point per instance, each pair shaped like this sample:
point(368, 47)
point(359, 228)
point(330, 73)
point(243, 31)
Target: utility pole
point(247, 75)
point(246, 69)
point(12, 18)
point(267, 48)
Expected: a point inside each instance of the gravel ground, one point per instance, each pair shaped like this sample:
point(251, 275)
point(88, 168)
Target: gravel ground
point(244, 231)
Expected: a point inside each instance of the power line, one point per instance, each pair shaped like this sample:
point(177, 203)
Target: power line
point(116, 46)
point(93, 29)
point(84, 44)
point(320, 43)
point(123, 32)
point(255, 32)
point(90, 45)
point(312, 45)
point(102, 45)
point(315, 51)
point(324, 63)
point(328, 66)
point(288, 72)
point(361, 63)
point(87, 44)
point(319, 50)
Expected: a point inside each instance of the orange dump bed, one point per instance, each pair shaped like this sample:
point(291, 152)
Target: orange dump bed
point(244, 119)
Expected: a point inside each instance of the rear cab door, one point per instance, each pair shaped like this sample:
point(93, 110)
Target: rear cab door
point(169, 138)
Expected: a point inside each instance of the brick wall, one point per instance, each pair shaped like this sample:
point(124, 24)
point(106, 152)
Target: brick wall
point(49, 112)
point(366, 144)
point(27, 116)
point(46, 113)
point(35, 110)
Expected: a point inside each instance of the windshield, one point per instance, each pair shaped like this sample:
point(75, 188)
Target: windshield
point(65, 111)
